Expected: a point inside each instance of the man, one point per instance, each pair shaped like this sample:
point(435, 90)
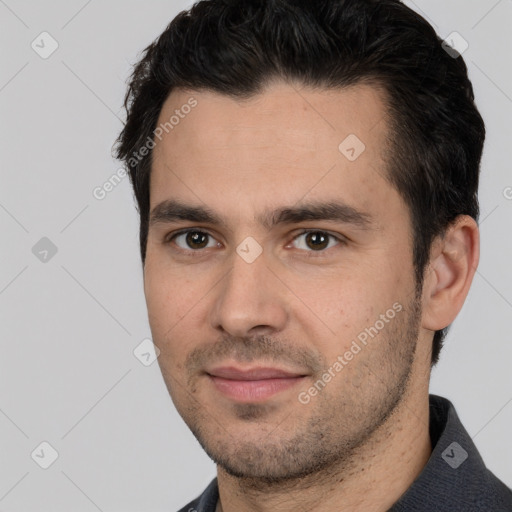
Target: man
point(306, 175)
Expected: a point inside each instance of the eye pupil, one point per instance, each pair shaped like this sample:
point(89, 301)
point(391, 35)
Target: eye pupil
point(197, 239)
point(318, 239)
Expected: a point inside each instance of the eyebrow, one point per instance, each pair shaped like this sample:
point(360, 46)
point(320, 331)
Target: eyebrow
point(170, 210)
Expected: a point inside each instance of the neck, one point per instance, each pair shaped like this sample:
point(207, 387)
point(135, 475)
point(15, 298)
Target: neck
point(372, 479)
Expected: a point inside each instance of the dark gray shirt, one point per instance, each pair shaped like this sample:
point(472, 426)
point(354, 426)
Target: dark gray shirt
point(454, 479)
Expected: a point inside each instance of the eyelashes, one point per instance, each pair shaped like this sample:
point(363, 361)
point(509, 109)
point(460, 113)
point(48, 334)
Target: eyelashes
point(203, 240)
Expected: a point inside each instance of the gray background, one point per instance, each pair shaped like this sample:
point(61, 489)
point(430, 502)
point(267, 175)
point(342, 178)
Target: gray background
point(69, 325)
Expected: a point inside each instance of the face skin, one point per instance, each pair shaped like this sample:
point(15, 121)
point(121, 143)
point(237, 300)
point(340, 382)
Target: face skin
point(302, 303)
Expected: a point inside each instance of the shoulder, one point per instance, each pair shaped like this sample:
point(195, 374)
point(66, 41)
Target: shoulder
point(206, 501)
point(455, 478)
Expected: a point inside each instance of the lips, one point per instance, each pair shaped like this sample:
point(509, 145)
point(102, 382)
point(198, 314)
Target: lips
point(252, 384)
point(259, 373)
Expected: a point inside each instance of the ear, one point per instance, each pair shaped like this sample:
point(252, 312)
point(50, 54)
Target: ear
point(453, 261)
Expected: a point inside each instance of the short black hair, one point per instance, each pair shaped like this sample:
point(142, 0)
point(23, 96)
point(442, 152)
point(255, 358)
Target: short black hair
point(237, 47)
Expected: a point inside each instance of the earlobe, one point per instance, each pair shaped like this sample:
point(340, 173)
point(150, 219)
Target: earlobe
point(454, 259)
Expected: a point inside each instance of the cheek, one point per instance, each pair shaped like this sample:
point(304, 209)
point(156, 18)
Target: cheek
point(347, 307)
point(168, 293)
point(175, 310)
point(164, 306)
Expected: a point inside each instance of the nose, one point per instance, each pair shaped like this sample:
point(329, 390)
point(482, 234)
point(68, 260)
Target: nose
point(250, 300)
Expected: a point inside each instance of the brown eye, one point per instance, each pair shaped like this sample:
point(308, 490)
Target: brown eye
point(196, 239)
point(317, 240)
point(193, 239)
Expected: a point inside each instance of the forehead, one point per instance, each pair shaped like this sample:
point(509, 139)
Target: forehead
point(284, 114)
point(287, 144)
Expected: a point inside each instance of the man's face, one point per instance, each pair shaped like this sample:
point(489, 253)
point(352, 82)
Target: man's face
point(328, 297)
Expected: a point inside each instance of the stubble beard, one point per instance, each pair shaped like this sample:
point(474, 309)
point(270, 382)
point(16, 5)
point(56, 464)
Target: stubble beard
point(326, 444)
